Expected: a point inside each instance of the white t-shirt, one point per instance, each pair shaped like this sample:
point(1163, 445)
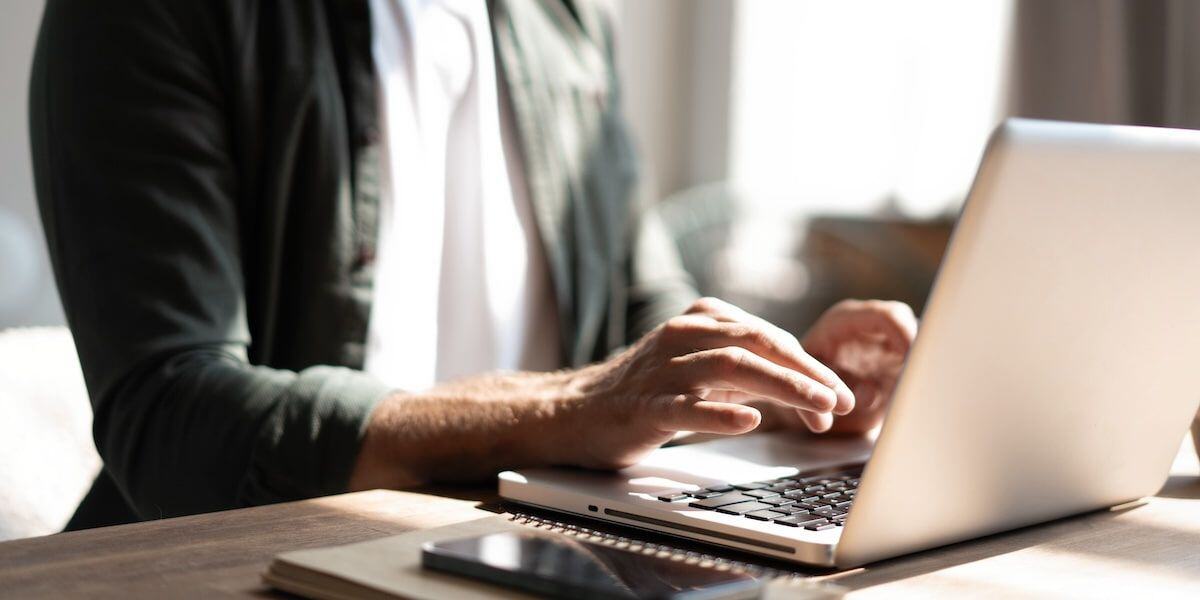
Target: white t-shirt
point(461, 283)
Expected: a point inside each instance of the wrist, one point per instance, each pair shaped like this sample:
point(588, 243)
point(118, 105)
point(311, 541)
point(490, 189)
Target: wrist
point(549, 420)
point(376, 465)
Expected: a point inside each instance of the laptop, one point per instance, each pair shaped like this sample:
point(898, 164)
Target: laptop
point(1056, 371)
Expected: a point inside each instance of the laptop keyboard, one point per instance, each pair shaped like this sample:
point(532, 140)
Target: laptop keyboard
point(815, 502)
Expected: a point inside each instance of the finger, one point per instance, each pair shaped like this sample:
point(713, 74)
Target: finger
point(710, 306)
point(816, 422)
point(694, 332)
point(737, 369)
point(768, 343)
point(722, 311)
point(685, 412)
point(776, 416)
point(893, 321)
point(869, 392)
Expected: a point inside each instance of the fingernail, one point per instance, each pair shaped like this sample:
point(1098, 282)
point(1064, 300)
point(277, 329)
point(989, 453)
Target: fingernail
point(845, 399)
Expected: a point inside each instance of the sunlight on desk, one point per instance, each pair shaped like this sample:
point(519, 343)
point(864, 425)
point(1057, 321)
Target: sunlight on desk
point(1147, 551)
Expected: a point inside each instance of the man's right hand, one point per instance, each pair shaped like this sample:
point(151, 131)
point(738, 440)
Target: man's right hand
point(695, 372)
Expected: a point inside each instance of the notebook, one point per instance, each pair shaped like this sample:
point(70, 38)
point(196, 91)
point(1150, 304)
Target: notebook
point(390, 567)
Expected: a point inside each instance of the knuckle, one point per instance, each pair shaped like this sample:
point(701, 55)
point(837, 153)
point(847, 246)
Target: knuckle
point(850, 304)
point(763, 338)
point(680, 329)
point(877, 305)
point(749, 334)
point(705, 304)
point(684, 361)
point(675, 326)
point(729, 359)
point(791, 338)
point(888, 306)
point(679, 404)
point(898, 311)
point(739, 331)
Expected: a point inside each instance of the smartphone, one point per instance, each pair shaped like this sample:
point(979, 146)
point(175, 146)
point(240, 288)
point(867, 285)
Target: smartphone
point(559, 566)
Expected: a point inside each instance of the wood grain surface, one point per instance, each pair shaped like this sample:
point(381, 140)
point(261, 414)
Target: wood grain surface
point(1150, 550)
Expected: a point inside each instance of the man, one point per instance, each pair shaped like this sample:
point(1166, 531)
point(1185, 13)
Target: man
point(320, 245)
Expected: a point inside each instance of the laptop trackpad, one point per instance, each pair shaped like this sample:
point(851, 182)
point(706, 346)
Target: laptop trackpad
point(750, 457)
point(738, 459)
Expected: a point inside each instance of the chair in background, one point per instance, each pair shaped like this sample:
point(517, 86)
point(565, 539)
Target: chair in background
point(789, 268)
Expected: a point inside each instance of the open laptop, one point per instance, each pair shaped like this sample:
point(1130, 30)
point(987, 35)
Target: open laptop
point(1055, 372)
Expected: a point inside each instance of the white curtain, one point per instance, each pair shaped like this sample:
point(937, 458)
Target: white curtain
point(854, 106)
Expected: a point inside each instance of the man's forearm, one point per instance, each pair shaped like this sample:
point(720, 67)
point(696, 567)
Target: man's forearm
point(692, 373)
point(463, 430)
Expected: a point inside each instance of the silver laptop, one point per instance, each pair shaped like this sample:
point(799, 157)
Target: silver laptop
point(1056, 371)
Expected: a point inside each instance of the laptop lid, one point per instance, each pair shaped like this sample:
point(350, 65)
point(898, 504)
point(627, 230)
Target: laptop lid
point(1057, 365)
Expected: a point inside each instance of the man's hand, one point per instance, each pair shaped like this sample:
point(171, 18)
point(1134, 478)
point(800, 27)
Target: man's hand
point(865, 342)
point(693, 373)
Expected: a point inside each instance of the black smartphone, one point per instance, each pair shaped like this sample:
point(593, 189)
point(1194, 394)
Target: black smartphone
point(560, 566)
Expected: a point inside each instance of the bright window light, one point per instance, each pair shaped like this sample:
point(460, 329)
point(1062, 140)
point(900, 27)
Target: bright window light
point(843, 107)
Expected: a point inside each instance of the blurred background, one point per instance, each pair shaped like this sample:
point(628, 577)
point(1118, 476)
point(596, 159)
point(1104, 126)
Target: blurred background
point(783, 135)
point(804, 151)
point(808, 151)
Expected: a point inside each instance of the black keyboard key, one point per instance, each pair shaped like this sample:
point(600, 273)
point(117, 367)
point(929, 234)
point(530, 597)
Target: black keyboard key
point(819, 526)
point(703, 494)
point(764, 515)
point(763, 493)
point(845, 504)
point(826, 502)
point(791, 509)
point(672, 495)
point(779, 501)
point(831, 494)
point(749, 486)
point(740, 508)
point(800, 520)
point(721, 500)
point(724, 487)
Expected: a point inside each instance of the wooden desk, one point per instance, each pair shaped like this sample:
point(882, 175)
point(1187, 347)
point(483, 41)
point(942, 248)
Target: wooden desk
point(1152, 550)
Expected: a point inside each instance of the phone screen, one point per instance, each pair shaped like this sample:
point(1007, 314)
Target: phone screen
point(562, 566)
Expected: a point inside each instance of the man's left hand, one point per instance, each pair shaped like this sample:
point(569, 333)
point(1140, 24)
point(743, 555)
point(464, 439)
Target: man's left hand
point(865, 342)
